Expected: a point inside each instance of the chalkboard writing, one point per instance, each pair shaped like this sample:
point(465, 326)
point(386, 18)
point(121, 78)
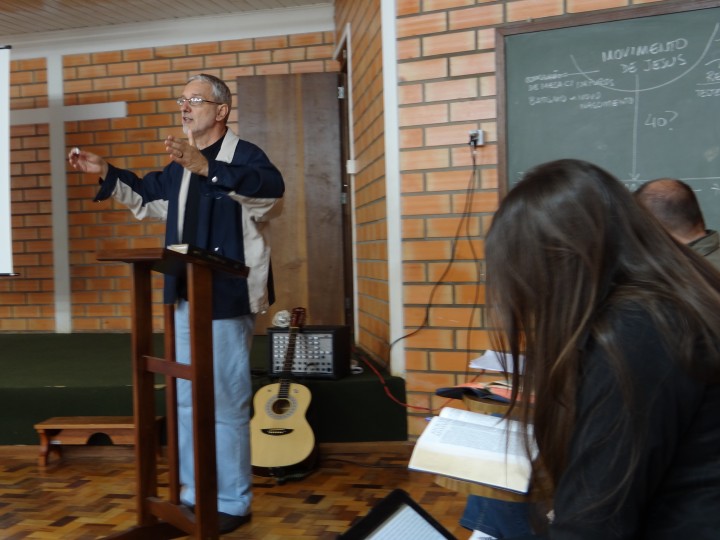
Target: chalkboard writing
point(638, 96)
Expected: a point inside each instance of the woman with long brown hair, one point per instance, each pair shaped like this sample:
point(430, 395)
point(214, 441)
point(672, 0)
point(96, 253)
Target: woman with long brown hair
point(620, 328)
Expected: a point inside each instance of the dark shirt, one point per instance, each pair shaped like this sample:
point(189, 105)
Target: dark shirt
point(709, 247)
point(675, 490)
point(190, 223)
point(192, 205)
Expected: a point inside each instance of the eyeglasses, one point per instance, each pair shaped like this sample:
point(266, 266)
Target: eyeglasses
point(194, 101)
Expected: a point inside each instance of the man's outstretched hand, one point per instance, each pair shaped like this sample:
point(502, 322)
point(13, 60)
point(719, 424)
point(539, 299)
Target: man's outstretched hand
point(186, 154)
point(88, 162)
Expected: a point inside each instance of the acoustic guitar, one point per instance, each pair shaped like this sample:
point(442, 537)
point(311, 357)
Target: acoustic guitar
point(282, 443)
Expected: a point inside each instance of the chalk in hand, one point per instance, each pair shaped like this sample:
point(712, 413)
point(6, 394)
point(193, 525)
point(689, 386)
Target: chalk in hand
point(76, 150)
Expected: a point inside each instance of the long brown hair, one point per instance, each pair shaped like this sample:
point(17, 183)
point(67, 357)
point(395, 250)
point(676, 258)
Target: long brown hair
point(567, 245)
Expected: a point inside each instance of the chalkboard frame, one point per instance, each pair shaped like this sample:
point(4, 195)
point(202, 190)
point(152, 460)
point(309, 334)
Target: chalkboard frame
point(506, 32)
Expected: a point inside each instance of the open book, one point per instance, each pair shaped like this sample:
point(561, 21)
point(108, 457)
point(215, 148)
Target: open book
point(474, 447)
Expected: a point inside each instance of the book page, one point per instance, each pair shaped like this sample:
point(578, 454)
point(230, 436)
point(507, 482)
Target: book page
point(180, 248)
point(475, 447)
point(488, 420)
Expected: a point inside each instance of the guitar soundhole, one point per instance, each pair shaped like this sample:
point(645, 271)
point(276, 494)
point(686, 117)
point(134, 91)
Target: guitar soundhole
point(281, 406)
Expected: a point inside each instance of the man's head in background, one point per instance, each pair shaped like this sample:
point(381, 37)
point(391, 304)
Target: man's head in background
point(675, 205)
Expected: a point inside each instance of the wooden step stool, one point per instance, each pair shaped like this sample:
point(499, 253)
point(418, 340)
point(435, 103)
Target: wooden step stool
point(77, 430)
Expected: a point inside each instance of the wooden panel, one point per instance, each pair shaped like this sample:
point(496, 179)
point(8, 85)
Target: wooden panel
point(295, 119)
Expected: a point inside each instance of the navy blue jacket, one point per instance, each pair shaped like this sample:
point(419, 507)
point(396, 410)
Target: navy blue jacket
point(242, 192)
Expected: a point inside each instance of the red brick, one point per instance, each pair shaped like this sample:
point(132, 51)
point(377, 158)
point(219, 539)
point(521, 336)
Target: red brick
point(452, 89)
point(423, 114)
point(408, 49)
point(407, 7)
point(421, 24)
point(578, 6)
point(522, 10)
point(472, 64)
point(423, 69)
point(476, 17)
point(424, 159)
point(449, 43)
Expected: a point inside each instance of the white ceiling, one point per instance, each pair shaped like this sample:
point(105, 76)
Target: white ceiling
point(26, 17)
point(36, 28)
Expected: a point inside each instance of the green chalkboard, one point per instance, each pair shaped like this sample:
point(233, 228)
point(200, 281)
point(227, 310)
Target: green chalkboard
point(636, 91)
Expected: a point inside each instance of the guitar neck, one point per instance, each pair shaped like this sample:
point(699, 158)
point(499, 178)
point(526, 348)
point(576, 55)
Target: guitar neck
point(286, 373)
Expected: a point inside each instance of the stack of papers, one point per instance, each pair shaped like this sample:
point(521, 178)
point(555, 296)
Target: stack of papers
point(493, 361)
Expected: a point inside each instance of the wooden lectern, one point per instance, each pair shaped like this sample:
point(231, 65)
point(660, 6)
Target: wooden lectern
point(158, 518)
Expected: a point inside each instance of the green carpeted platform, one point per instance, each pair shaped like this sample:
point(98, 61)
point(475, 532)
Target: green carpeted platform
point(45, 375)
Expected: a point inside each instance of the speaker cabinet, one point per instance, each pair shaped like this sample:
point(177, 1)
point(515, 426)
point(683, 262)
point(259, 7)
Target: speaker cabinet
point(321, 352)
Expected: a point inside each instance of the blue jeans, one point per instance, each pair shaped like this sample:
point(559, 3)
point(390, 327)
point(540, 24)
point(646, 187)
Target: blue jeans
point(232, 339)
point(501, 519)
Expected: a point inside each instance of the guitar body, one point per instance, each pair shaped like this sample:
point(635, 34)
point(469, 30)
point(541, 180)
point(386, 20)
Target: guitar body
point(281, 436)
point(282, 443)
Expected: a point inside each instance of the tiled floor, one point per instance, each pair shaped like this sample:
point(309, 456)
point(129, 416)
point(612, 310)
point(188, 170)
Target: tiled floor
point(89, 494)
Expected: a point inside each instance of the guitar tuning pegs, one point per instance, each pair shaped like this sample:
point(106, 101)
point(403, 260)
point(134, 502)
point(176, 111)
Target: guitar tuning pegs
point(281, 319)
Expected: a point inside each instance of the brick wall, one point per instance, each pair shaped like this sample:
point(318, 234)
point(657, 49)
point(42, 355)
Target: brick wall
point(28, 302)
point(446, 67)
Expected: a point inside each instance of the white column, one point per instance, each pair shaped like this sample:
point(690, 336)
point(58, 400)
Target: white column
point(392, 184)
point(6, 253)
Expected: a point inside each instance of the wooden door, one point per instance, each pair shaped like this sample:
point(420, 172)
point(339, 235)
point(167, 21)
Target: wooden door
point(295, 120)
